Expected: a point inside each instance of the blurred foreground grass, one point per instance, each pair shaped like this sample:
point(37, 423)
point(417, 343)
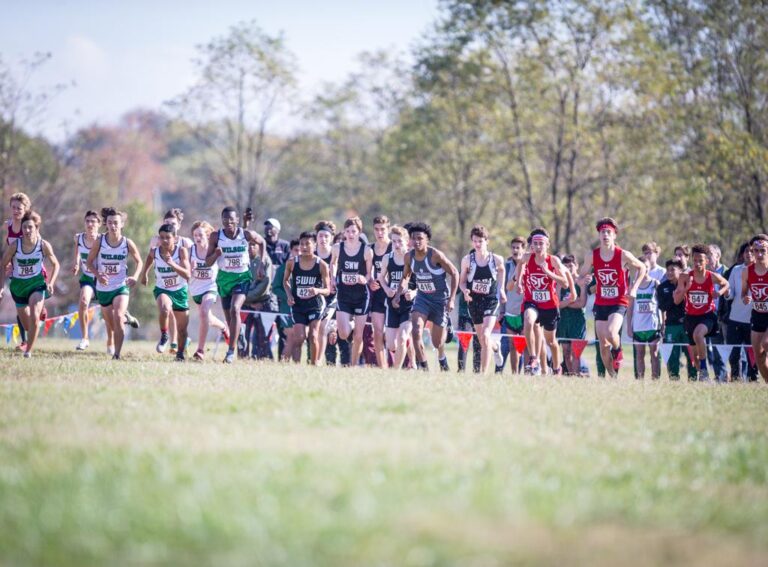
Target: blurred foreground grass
point(151, 462)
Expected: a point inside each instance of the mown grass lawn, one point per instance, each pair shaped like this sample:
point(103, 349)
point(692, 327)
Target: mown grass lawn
point(151, 462)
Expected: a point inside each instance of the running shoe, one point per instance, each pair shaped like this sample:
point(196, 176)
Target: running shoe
point(703, 375)
point(110, 350)
point(199, 356)
point(21, 347)
point(174, 348)
point(443, 365)
point(82, 345)
point(115, 357)
point(131, 321)
point(618, 358)
point(498, 358)
point(162, 343)
point(27, 354)
point(536, 370)
point(230, 357)
point(180, 357)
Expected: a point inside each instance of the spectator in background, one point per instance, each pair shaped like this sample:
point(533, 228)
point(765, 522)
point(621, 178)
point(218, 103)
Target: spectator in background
point(259, 298)
point(284, 323)
point(713, 355)
point(673, 315)
point(683, 255)
point(510, 317)
point(739, 316)
point(278, 251)
point(651, 252)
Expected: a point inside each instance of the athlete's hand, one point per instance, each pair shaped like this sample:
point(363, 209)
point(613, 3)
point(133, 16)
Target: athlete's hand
point(218, 252)
point(410, 294)
point(630, 334)
point(584, 280)
point(103, 279)
point(451, 305)
point(291, 300)
point(332, 286)
point(361, 279)
point(130, 282)
point(519, 288)
point(502, 297)
point(145, 279)
point(467, 295)
point(49, 289)
point(374, 285)
point(747, 299)
point(396, 303)
point(75, 269)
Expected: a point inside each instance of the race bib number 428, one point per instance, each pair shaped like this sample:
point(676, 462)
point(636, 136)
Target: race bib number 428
point(481, 287)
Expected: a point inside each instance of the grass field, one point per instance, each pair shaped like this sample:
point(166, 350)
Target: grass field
point(150, 462)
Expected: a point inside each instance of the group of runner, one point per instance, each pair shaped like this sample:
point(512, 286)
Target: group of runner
point(399, 283)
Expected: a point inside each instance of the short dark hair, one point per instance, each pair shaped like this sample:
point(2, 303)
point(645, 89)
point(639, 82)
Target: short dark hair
point(32, 216)
point(480, 231)
point(517, 240)
point(229, 209)
point(326, 225)
point(758, 238)
point(167, 227)
point(175, 213)
point(568, 259)
point(420, 227)
point(673, 262)
point(294, 242)
point(609, 221)
point(90, 213)
point(684, 249)
point(308, 234)
point(700, 249)
point(538, 231)
point(107, 212)
point(381, 219)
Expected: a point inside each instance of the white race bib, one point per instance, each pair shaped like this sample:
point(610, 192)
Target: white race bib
point(304, 292)
point(26, 271)
point(481, 287)
point(426, 287)
point(609, 292)
point(203, 274)
point(170, 282)
point(760, 306)
point(698, 297)
point(234, 262)
point(111, 269)
point(541, 296)
point(643, 307)
point(349, 279)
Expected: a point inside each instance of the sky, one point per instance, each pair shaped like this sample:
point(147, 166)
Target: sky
point(120, 55)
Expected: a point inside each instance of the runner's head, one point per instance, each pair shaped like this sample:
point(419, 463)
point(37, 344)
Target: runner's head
point(325, 230)
point(420, 233)
point(173, 216)
point(479, 235)
point(714, 255)
point(381, 228)
point(607, 228)
point(30, 225)
point(92, 222)
point(295, 245)
point(759, 245)
point(569, 261)
point(230, 218)
point(20, 204)
point(674, 269)
point(651, 251)
point(201, 230)
point(166, 236)
point(699, 256)
point(114, 219)
point(352, 228)
point(399, 237)
point(683, 253)
point(517, 247)
point(307, 243)
point(539, 240)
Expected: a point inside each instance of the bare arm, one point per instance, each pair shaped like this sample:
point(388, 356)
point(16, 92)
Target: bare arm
point(213, 249)
point(93, 256)
point(463, 274)
point(382, 277)
point(182, 268)
point(501, 276)
point(7, 257)
point(451, 270)
point(76, 265)
point(586, 267)
point(628, 259)
point(368, 265)
point(722, 282)
point(325, 277)
point(683, 285)
point(287, 282)
point(134, 253)
point(144, 277)
point(746, 294)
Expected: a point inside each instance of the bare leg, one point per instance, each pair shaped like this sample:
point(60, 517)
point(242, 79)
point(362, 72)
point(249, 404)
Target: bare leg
point(119, 307)
point(640, 361)
point(86, 295)
point(182, 322)
point(357, 340)
point(377, 320)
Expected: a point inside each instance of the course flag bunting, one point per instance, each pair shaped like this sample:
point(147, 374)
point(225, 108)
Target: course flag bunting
point(8, 333)
point(16, 333)
point(666, 351)
point(47, 326)
point(73, 320)
point(519, 343)
point(267, 319)
point(464, 338)
point(577, 346)
point(750, 355)
point(724, 351)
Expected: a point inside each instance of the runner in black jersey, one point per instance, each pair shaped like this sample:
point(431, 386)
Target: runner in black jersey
point(481, 272)
point(351, 265)
point(306, 282)
point(398, 320)
point(435, 299)
point(380, 247)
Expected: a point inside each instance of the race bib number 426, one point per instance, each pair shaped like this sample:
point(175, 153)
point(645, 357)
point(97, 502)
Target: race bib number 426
point(349, 279)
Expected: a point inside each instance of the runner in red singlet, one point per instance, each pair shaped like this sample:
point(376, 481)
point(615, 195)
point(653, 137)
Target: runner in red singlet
point(609, 263)
point(754, 290)
point(697, 289)
point(537, 275)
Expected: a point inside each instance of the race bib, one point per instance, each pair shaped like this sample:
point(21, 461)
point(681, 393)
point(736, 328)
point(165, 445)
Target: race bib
point(426, 287)
point(481, 287)
point(203, 274)
point(541, 296)
point(609, 292)
point(304, 292)
point(234, 262)
point(698, 297)
point(170, 282)
point(644, 307)
point(26, 270)
point(760, 306)
point(111, 269)
point(349, 278)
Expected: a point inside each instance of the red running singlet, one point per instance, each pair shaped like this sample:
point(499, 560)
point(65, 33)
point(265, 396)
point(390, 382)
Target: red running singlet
point(700, 298)
point(758, 289)
point(539, 287)
point(611, 279)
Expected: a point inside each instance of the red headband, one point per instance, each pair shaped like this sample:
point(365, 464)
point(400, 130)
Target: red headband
point(607, 225)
